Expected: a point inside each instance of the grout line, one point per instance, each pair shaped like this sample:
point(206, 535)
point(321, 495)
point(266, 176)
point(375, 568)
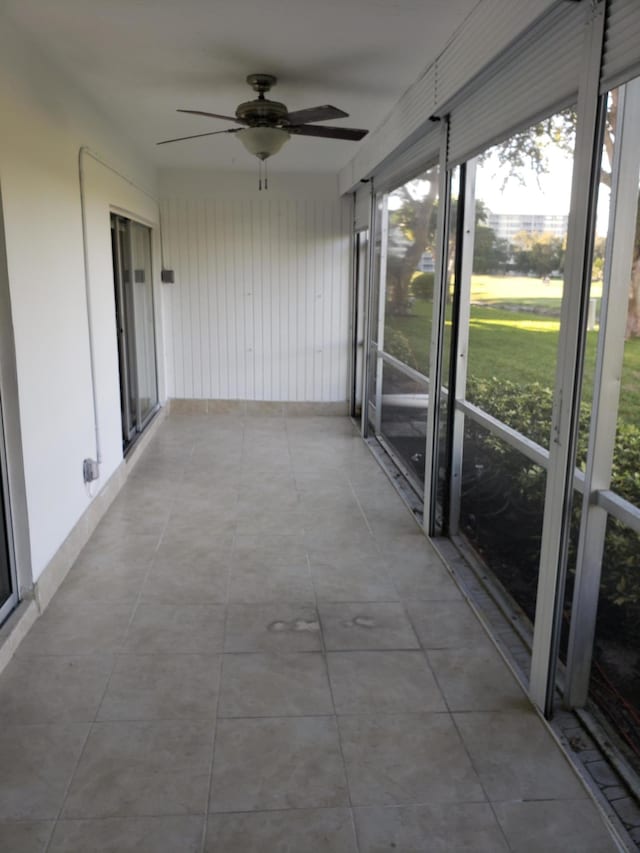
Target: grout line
point(114, 654)
point(213, 748)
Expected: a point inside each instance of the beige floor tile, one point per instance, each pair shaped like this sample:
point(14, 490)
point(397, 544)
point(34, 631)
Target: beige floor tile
point(129, 835)
point(386, 524)
point(205, 526)
point(567, 826)
point(25, 837)
point(101, 584)
point(407, 758)
point(352, 583)
point(435, 828)
point(115, 543)
point(137, 512)
point(476, 679)
point(269, 519)
point(274, 685)
point(195, 545)
point(339, 534)
point(176, 629)
point(516, 757)
point(312, 830)
point(41, 759)
point(202, 493)
point(447, 625)
point(277, 764)
point(366, 626)
point(382, 683)
point(329, 501)
point(270, 583)
point(53, 689)
point(191, 580)
point(268, 549)
point(418, 582)
point(272, 514)
point(142, 769)
point(323, 512)
point(278, 627)
point(67, 628)
point(162, 687)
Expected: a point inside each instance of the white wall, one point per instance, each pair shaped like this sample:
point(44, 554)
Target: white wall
point(44, 122)
point(260, 306)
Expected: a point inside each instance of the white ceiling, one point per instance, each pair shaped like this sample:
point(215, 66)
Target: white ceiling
point(141, 59)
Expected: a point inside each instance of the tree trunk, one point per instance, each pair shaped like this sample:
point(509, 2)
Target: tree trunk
point(423, 229)
point(633, 310)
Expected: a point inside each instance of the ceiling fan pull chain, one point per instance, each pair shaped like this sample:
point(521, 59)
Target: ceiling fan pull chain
point(266, 176)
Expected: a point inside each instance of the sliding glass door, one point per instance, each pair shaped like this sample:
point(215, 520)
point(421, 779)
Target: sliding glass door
point(8, 592)
point(401, 327)
point(131, 245)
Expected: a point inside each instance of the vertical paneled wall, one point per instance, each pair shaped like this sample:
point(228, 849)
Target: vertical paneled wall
point(259, 308)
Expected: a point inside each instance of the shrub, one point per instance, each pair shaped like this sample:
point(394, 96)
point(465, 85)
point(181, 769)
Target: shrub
point(518, 487)
point(422, 285)
point(397, 344)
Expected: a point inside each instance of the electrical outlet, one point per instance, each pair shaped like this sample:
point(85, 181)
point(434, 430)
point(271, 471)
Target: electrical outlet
point(90, 470)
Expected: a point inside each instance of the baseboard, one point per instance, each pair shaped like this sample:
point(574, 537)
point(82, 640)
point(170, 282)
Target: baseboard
point(264, 408)
point(36, 600)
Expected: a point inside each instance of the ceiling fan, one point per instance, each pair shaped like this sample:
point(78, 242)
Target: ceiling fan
point(267, 125)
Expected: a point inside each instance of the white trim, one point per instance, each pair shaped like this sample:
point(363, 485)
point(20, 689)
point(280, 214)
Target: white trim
point(566, 397)
point(621, 56)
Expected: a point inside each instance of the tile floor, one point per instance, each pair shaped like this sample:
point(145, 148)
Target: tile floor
point(259, 652)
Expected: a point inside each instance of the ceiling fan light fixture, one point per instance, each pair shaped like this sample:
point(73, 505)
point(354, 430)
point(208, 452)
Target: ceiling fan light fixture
point(263, 142)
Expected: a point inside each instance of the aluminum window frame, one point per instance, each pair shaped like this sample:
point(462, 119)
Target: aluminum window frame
point(599, 502)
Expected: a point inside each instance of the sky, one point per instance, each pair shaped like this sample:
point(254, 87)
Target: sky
point(548, 193)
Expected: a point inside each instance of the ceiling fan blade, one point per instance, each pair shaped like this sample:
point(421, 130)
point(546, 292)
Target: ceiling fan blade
point(352, 133)
point(324, 113)
point(212, 115)
point(195, 136)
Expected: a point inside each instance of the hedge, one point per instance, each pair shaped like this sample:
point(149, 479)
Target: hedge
point(508, 491)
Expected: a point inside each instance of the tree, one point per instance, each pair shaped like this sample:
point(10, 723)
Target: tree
point(490, 254)
point(415, 218)
point(527, 149)
point(599, 247)
point(541, 254)
point(412, 229)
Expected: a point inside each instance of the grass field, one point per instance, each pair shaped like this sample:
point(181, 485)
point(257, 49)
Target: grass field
point(519, 345)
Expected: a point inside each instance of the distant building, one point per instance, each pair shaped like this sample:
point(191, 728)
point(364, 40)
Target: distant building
point(507, 225)
point(426, 263)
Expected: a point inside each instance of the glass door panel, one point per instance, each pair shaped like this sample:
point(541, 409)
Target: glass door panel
point(133, 280)
point(402, 312)
point(144, 329)
point(520, 212)
point(359, 301)
point(603, 656)
point(6, 577)
point(446, 416)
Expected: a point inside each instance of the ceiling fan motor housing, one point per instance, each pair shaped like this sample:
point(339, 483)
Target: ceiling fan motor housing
point(262, 112)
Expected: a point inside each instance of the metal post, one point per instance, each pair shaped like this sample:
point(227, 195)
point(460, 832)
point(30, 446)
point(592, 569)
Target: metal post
point(573, 320)
point(602, 435)
point(437, 335)
point(460, 352)
point(382, 296)
point(353, 278)
point(368, 303)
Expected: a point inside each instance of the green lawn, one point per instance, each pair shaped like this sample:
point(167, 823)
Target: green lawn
point(518, 345)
